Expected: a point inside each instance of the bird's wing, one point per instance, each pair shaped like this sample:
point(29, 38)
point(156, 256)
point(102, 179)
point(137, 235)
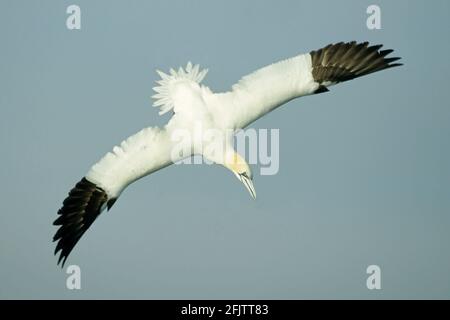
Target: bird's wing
point(139, 155)
point(262, 91)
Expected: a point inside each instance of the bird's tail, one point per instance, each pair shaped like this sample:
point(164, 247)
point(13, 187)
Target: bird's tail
point(345, 61)
point(164, 89)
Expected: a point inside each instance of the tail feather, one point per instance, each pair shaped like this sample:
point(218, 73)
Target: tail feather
point(164, 90)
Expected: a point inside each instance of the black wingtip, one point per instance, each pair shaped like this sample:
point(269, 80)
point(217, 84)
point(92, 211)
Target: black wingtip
point(345, 61)
point(110, 203)
point(80, 209)
point(321, 89)
point(62, 261)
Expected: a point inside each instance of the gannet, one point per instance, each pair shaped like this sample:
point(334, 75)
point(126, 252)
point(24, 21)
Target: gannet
point(182, 92)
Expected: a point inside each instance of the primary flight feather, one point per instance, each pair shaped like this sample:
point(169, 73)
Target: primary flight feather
point(192, 103)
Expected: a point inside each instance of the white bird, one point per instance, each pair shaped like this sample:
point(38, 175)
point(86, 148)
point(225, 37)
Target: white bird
point(193, 103)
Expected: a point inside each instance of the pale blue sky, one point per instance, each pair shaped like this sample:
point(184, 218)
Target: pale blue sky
point(364, 169)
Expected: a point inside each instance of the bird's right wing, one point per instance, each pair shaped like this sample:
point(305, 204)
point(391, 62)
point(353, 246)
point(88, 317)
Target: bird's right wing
point(141, 154)
point(265, 89)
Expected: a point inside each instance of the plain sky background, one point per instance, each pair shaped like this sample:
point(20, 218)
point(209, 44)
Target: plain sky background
point(364, 169)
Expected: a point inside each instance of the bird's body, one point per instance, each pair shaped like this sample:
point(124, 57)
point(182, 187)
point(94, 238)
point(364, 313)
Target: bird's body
point(197, 110)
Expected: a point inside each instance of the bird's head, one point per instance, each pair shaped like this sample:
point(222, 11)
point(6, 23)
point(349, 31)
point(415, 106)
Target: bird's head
point(242, 171)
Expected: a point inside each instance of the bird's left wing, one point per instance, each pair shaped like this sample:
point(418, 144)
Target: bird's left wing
point(262, 91)
point(139, 155)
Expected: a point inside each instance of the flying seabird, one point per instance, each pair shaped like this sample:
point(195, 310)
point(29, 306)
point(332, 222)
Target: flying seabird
point(192, 103)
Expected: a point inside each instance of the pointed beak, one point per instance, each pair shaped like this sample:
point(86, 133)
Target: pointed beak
point(248, 183)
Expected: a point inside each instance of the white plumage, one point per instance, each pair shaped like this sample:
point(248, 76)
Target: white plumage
point(196, 105)
point(139, 155)
point(169, 85)
point(264, 90)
